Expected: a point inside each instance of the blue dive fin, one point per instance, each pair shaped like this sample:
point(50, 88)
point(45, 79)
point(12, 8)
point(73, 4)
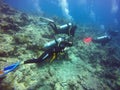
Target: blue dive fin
point(9, 68)
point(12, 66)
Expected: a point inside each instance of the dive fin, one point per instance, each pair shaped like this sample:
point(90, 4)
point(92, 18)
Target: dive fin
point(87, 40)
point(8, 69)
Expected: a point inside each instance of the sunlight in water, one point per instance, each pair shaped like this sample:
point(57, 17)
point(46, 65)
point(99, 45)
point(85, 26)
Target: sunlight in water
point(114, 8)
point(64, 5)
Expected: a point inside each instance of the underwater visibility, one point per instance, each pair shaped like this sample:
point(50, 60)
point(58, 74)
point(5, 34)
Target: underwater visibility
point(59, 44)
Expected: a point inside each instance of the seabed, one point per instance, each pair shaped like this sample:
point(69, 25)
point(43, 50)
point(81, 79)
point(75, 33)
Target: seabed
point(84, 67)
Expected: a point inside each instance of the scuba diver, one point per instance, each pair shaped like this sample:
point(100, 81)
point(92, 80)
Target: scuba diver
point(103, 40)
point(53, 49)
point(68, 29)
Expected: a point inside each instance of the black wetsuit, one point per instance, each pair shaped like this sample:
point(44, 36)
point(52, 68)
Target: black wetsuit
point(69, 29)
point(50, 53)
point(102, 40)
point(106, 38)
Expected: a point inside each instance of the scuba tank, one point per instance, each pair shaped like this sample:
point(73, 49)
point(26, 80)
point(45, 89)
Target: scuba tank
point(64, 29)
point(52, 43)
point(103, 39)
point(65, 26)
point(68, 28)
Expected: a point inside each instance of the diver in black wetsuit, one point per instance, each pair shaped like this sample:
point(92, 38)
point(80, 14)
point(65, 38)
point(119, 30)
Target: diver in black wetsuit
point(51, 53)
point(68, 29)
point(103, 40)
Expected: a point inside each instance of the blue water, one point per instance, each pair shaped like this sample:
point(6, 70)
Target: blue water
point(102, 12)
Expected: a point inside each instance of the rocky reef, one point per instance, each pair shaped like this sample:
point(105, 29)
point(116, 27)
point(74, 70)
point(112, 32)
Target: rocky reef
point(86, 67)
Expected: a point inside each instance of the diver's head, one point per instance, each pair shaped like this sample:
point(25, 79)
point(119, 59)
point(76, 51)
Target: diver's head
point(70, 24)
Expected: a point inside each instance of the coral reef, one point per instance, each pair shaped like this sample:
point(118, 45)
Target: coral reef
point(84, 67)
point(5, 45)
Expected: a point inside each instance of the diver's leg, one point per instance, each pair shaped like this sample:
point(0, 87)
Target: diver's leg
point(46, 55)
point(31, 61)
point(72, 30)
point(39, 60)
point(53, 27)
